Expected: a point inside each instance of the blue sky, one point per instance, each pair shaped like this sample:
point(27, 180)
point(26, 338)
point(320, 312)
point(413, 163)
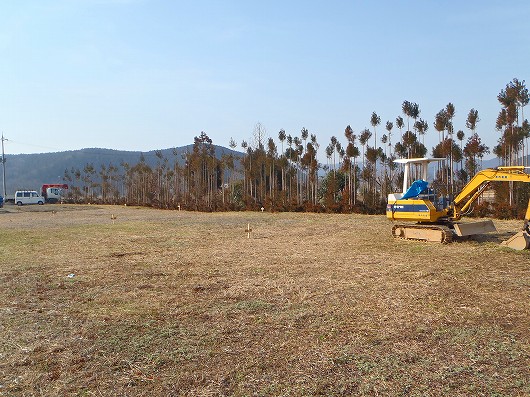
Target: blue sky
point(152, 74)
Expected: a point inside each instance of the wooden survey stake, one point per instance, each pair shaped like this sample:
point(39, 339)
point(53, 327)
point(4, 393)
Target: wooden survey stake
point(248, 230)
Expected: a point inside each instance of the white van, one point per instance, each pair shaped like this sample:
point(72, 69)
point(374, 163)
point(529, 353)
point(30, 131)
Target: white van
point(28, 197)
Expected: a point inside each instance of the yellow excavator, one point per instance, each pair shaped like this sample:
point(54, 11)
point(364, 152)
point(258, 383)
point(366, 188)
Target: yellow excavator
point(422, 215)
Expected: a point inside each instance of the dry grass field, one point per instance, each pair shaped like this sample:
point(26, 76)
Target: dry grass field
point(167, 303)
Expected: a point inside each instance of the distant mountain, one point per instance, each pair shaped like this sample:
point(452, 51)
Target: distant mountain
point(30, 171)
point(491, 163)
point(495, 162)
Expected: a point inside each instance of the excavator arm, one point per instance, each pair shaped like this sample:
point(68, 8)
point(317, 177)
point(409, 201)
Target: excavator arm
point(472, 191)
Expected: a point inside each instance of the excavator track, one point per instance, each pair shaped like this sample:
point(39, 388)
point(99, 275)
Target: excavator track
point(431, 233)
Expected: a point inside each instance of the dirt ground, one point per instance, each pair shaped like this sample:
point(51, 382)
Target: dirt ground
point(127, 301)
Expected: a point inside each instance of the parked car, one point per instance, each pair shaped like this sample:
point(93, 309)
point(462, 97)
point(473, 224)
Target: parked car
point(1, 201)
point(28, 197)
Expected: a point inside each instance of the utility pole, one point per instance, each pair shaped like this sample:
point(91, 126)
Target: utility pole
point(3, 165)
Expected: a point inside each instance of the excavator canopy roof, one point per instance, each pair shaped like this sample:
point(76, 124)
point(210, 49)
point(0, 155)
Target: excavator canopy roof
point(418, 160)
point(423, 162)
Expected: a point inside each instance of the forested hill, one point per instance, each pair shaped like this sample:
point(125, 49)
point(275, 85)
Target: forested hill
point(30, 171)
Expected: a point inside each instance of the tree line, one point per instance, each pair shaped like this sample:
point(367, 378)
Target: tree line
point(284, 174)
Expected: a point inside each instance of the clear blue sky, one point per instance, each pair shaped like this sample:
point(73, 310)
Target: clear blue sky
point(152, 74)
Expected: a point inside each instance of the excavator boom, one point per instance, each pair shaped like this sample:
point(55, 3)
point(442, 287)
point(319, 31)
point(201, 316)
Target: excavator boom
point(475, 187)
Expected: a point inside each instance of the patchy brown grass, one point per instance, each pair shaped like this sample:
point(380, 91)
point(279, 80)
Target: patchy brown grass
point(167, 303)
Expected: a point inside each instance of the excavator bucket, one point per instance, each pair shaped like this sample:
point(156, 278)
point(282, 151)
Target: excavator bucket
point(519, 241)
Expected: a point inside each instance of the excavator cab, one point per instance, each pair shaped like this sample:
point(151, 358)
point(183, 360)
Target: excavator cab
point(421, 190)
point(418, 201)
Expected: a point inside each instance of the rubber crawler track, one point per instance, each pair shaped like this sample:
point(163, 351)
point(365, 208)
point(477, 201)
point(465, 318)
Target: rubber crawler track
point(446, 234)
